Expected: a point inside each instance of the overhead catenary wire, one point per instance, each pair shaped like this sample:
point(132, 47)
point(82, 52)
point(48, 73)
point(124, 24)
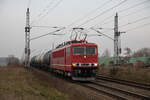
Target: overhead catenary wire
point(133, 22)
point(138, 27)
point(49, 10)
point(121, 11)
point(106, 11)
point(47, 26)
point(50, 33)
point(89, 13)
point(135, 12)
point(61, 0)
point(134, 6)
point(138, 20)
point(43, 11)
point(102, 34)
point(52, 8)
point(47, 7)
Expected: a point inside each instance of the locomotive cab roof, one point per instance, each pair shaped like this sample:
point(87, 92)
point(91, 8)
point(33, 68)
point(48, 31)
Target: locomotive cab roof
point(74, 42)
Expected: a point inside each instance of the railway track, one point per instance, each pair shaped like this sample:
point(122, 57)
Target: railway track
point(119, 94)
point(120, 89)
point(116, 96)
point(116, 93)
point(125, 82)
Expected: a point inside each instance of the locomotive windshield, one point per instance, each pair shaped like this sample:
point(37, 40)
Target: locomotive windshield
point(78, 50)
point(90, 50)
point(84, 50)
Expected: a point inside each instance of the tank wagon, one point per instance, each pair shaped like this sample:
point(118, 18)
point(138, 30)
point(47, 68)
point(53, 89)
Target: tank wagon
point(75, 59)
point(41, 61)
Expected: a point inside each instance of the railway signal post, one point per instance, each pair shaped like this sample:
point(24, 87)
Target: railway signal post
point(27, 39)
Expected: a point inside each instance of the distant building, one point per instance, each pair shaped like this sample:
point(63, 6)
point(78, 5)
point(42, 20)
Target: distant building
point(4, 61)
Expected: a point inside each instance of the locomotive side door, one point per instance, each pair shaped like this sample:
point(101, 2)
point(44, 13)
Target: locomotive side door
point(65, 56)
point(68, 59)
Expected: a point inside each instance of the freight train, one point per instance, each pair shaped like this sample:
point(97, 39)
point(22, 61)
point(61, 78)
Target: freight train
point(75, 59)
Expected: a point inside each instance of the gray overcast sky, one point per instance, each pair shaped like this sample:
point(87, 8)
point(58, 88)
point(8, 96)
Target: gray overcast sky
point(65, 12)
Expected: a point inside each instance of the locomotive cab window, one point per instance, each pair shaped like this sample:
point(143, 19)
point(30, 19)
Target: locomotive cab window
point(78, 50)
point(90, 50)
point(68, 51)
point(84, 50)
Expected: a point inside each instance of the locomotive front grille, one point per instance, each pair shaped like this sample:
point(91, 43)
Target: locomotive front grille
point(84, 64)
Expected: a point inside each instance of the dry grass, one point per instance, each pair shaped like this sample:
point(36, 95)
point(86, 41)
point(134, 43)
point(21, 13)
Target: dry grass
point(74, 91)
point(132, 73)
point(16, 83)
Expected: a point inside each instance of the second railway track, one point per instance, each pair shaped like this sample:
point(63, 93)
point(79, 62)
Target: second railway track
point(119, 94)
point(125, 82)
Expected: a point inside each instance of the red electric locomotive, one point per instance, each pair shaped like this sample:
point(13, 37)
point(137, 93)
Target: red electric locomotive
point(76, 59)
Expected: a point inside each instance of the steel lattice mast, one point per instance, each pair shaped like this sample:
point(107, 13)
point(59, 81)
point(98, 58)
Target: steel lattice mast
point(117, 41)
point(27, 39)
point(116, 35)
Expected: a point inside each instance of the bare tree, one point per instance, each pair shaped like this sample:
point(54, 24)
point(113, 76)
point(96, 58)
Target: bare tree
point(12, 60)
point(144, 52)
point(106, 53)
point(128, 52)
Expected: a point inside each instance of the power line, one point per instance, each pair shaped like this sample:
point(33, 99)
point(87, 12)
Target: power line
point(50, 33)
point(50, 9)
point(43, 11)
point(138, 20)
point(46, 26)
point(135, 12)
point(134, 6)
point(47, 7)
point(105, 19)
point(106, 11)
point(141, 26)
point(139, 11)
point(91, 12)
point(102, 34)
point(120, 11)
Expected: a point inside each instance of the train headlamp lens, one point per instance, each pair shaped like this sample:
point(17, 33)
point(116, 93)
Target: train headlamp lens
point(95, 64)
point(73, 65)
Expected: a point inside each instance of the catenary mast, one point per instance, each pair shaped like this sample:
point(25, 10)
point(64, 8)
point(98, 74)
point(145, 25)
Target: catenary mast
point(27, 39)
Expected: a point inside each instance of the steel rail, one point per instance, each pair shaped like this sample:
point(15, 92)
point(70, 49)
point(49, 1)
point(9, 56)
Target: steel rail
point(112, 94)
point(90, 87)
point(125, 82)
point(143, 97)
point(118, 97)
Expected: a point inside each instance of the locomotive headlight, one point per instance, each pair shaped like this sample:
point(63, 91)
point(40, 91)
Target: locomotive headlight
point(73, 65)
point(95, 64)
